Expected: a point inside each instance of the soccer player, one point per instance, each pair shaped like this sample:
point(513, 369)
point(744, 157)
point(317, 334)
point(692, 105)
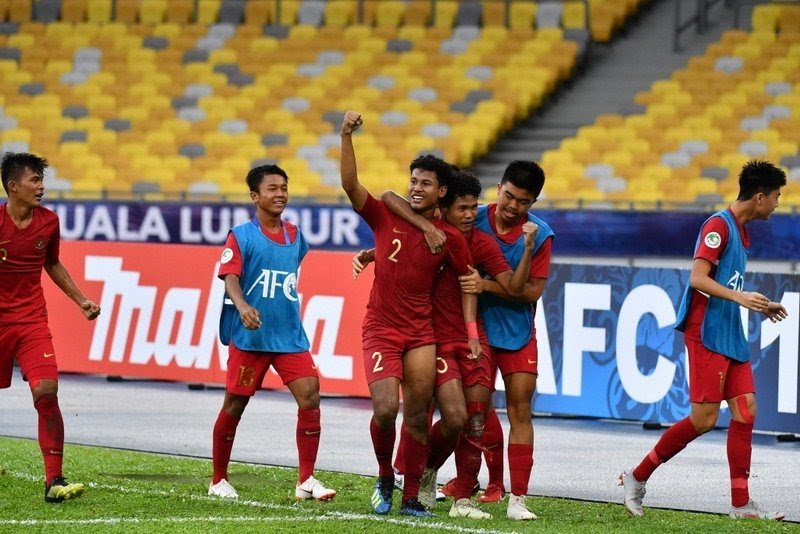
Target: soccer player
point(460, 378)
point(29, 242)
point(261, 324)
point(509, 319)
point(719, 355)
point(398, 339)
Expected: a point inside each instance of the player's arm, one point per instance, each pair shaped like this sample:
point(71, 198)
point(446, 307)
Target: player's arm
point(701, 280)
point(250, 317)
point(520, 287)
point(361, 260)
point(434, 237)
point(356, 192)
point(60, 276)
point(460, 261)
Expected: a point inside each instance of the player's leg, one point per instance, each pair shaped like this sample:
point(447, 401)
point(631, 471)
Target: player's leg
point(443, 434)
point(519, 394)
point(385, 406)
point(299, 374)
point(493, 442)
point(419, 374)
point(468, 454)
point(245, 373)
point(705, 394)
point(37, 360)
point(740, 395)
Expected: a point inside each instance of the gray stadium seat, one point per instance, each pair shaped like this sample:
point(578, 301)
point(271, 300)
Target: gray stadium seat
point(715, 173)
point(335, 118)
point(394, 118)
point(753, 148)
point(381, 81)
point(73, 78)
point(272, 139)
point(436, 130)
point(145, 186)
point(694, 147)
point(46, 10)
point(155, 43)
point(423, 94)
point(399, 46)
point(75, 112)
point(118, 125)
point(469, 13)
point(463, 106)
point(777, 112)
point(311, 12)
point(753, 123)
point(296, 104)
point(192, 114)
point(203, 188)
point(192, 150)
point(263, 161)
point(9, 28)
point(240, 79)
point(275, 30)
point(778, 88)
point(478, 95)
point(195, 55)
point(597, 171)
point(31, 89)
point(548, 15)
point(330, 57)
point(480, 72)
point(233, 126)
point(676, 159)
point(10, 53)
point(184, 102)
point(728, 64)
point(231, 11)
point(74, 135)
point(8, 123)
point(198, 89)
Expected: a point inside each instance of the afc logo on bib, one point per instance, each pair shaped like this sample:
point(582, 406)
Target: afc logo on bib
point(270, 281)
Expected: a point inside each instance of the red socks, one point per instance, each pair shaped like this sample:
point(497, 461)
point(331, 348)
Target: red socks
point(468, 453)
point(51, 435)
point(222, 445)
point(740, 447)
point(520, 465)
point(439, 448)
point(673, 441)
point(383, 444)
point(414, 456)
point(308, 432)
point(493, 444)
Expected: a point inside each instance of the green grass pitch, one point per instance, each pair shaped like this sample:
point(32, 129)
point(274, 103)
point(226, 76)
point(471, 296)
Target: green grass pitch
point(144, 492)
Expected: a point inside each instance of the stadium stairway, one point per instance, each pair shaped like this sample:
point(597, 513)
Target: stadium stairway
point(612, 75)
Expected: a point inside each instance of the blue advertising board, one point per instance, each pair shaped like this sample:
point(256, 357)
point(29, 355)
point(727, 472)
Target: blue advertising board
point(607, 347)
point(338, 227)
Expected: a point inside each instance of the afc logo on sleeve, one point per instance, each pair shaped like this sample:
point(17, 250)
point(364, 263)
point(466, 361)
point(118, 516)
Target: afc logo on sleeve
point(712, 240)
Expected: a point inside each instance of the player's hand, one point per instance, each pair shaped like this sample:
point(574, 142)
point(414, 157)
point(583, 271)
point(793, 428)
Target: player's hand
point(352, 121)
point(471, 283)
point(250, 317)
point(435, 239)
point(90, 310)
point(529, 230)
point(775, 312)
point(360, 261)
point(475, 349)
point(753, 301)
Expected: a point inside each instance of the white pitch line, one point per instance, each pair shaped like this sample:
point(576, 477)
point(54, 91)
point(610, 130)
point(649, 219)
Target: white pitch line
point(324, 516)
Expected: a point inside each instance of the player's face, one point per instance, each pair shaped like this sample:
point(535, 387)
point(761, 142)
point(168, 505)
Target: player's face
point(462, 213)
point(512, 203)
point(424, 190)
point(273, 194)
point(766, 203)
point(29, 189)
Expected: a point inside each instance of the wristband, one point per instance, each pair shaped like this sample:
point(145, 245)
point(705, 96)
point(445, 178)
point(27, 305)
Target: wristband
point(472, 330)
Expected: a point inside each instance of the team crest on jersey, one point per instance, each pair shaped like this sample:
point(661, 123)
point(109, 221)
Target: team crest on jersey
point(39, 243)
point(712, 240)
point(227, 255)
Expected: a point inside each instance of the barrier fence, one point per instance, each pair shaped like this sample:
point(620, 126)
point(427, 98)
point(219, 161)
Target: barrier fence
point(606, 344)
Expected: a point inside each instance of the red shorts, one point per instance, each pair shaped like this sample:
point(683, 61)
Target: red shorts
point(384, 348)
point(714, 377)
point(448, 361)
point(246, 369)
point(32, 346)
point(524, 360)
point(472, 372)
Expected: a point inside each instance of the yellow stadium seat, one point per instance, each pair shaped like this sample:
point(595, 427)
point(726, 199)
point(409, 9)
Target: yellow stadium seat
point(389, 13)
point(19, 11)
point(207, 11)
point(494, 14)
point(152, 11)
point(574, 15)
point(417, 13)
point(180, 11)
point(522, 15)
point(98, 11)
point(445, 13)
point(341, 13)
point(765, 18)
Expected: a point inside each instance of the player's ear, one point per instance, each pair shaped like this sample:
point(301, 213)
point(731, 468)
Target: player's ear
point(253, 195)
point(442, 191)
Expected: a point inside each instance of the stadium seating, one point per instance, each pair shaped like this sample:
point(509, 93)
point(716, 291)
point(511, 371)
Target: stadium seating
point(169, 96)
point(738, 101)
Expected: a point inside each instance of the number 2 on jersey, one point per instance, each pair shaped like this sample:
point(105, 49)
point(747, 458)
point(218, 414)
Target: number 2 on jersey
point(377, 356)
point(398, 245)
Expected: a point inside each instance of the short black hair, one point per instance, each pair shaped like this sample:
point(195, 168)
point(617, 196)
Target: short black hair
point(257, 174)
point(463, 183)
point(526, 175)
point(759, 176)
point(429, 162)
point(15, 163)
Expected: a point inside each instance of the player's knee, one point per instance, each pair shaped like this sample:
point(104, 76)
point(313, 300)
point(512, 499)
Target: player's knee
point(705, 422)
point(234, 405)
point(474, 425)
point(385, 414)
point(40, 388)
point(746, 408)
point(454, 421)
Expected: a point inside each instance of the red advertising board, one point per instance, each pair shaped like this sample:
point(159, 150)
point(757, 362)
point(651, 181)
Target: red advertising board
point(160, 312)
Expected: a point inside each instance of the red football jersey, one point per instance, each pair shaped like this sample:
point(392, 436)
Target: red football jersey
point(405, 268)
point(699, 301)
point(23, 254)
point(448, 317)
point(540, 262)
point(234, 264)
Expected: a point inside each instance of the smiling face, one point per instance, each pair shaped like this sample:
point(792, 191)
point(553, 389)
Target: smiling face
point(28, 190)
point(424, 190)
point(462, 212)
point(512, 203)
point(272, 194)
